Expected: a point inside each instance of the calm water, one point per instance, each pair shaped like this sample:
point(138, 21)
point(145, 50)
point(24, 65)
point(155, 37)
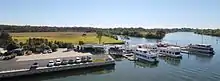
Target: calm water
point(189, 68)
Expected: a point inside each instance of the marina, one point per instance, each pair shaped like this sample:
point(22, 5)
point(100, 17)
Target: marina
point(166, 67)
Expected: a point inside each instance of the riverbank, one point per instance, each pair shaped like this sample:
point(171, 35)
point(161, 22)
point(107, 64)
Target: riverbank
point(211, 32)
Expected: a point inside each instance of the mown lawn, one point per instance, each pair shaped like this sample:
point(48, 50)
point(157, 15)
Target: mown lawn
point(70, 37)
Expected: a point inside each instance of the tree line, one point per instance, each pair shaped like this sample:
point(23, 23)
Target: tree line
point(157, 33)
point(212, 32)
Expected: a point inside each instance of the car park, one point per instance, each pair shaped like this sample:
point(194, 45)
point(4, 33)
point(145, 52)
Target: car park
point(50, 64)
point(34, 66)
point(78, 60)
point(83, 59)
point(71, 61)
point(58, 62)
point(64, 62)
point(89, 59)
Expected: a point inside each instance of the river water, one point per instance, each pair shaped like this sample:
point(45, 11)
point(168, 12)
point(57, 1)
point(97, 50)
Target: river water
point(189, 68)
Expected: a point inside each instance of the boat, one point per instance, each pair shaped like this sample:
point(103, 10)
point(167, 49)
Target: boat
point(145, 54)
point(205, 49)
point(170, 51)
point(150, 46)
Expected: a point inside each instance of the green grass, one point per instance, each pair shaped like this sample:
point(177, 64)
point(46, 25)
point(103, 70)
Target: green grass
point(99, 60)
point(70, 37)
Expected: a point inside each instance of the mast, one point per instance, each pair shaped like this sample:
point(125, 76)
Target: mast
point(202, 36)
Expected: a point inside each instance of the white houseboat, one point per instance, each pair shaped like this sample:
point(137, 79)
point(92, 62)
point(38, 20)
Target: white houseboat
point(170, 51)
point(150, 46)
point(145, 54)
point(204, 49)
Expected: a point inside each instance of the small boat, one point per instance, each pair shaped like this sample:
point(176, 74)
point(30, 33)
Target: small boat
point(204, 49)
point(170, 51)
point(129, 56)
point(145, 54)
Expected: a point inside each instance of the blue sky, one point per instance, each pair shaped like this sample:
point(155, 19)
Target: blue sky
point(112, 13)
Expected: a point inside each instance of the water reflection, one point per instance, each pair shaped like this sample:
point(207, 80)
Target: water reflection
point(201, 58)
point(171, 60)
point(63, 74)
point(145, 64)
point(117, 58)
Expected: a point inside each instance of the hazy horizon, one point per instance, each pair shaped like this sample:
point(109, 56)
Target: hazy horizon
point(112, 13)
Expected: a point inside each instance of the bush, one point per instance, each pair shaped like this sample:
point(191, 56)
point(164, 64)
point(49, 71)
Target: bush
point(81, 42)
point(9, 56)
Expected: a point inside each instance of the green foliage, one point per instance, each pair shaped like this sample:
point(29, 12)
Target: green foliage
point(136, 32)
point(54, 47)
point(99, 36)
point(12, 46)
point(5, 39)
point(81, 42)
point(212, 32)
point(38, 45)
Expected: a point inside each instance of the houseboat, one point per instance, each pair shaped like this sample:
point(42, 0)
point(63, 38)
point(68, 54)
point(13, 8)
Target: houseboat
point(150, 46)
point(204, 49)
point(145, 54)
point(170, 51)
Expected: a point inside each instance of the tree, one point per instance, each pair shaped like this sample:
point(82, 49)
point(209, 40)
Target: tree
point(99, 35)
point(160, 33)
point(12, 46)
point(5, 39)
point(54, 47)
point(81, 42)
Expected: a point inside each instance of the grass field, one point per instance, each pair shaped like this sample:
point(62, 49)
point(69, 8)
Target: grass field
point(70, 37)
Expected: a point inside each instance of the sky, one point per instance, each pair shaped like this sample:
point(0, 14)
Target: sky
point(112, 13)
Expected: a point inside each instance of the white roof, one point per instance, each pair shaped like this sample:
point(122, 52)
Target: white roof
point(170, 48)
point(204, 44)
point(142, 49)
point(51, 61)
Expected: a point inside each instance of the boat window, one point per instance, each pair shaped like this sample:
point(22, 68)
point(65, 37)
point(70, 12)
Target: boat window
point(169, 52)
point(177, 53)
point(153, 57)
point(145, 51)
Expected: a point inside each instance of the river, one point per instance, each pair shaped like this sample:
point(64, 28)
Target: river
point(189, 68)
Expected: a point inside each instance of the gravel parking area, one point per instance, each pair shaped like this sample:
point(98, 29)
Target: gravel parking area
point(24, 62)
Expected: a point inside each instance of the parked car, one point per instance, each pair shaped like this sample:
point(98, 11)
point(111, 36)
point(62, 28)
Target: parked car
point(44, 52)
point(50, 64)
point(50, 51)
point(89, 59)
point(34, 66)
point(78, 60)
point(64, 62)
point(83, 59)
point(71, 61)
point(58, 62)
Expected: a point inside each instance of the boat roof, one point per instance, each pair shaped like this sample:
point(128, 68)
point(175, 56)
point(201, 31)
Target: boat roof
point(203, 44)
point(169, 47)
point(143, 49)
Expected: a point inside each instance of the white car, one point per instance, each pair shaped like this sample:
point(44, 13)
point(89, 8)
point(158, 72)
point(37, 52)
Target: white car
point(50, 64)
point(78, 60)
point(58, 62)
